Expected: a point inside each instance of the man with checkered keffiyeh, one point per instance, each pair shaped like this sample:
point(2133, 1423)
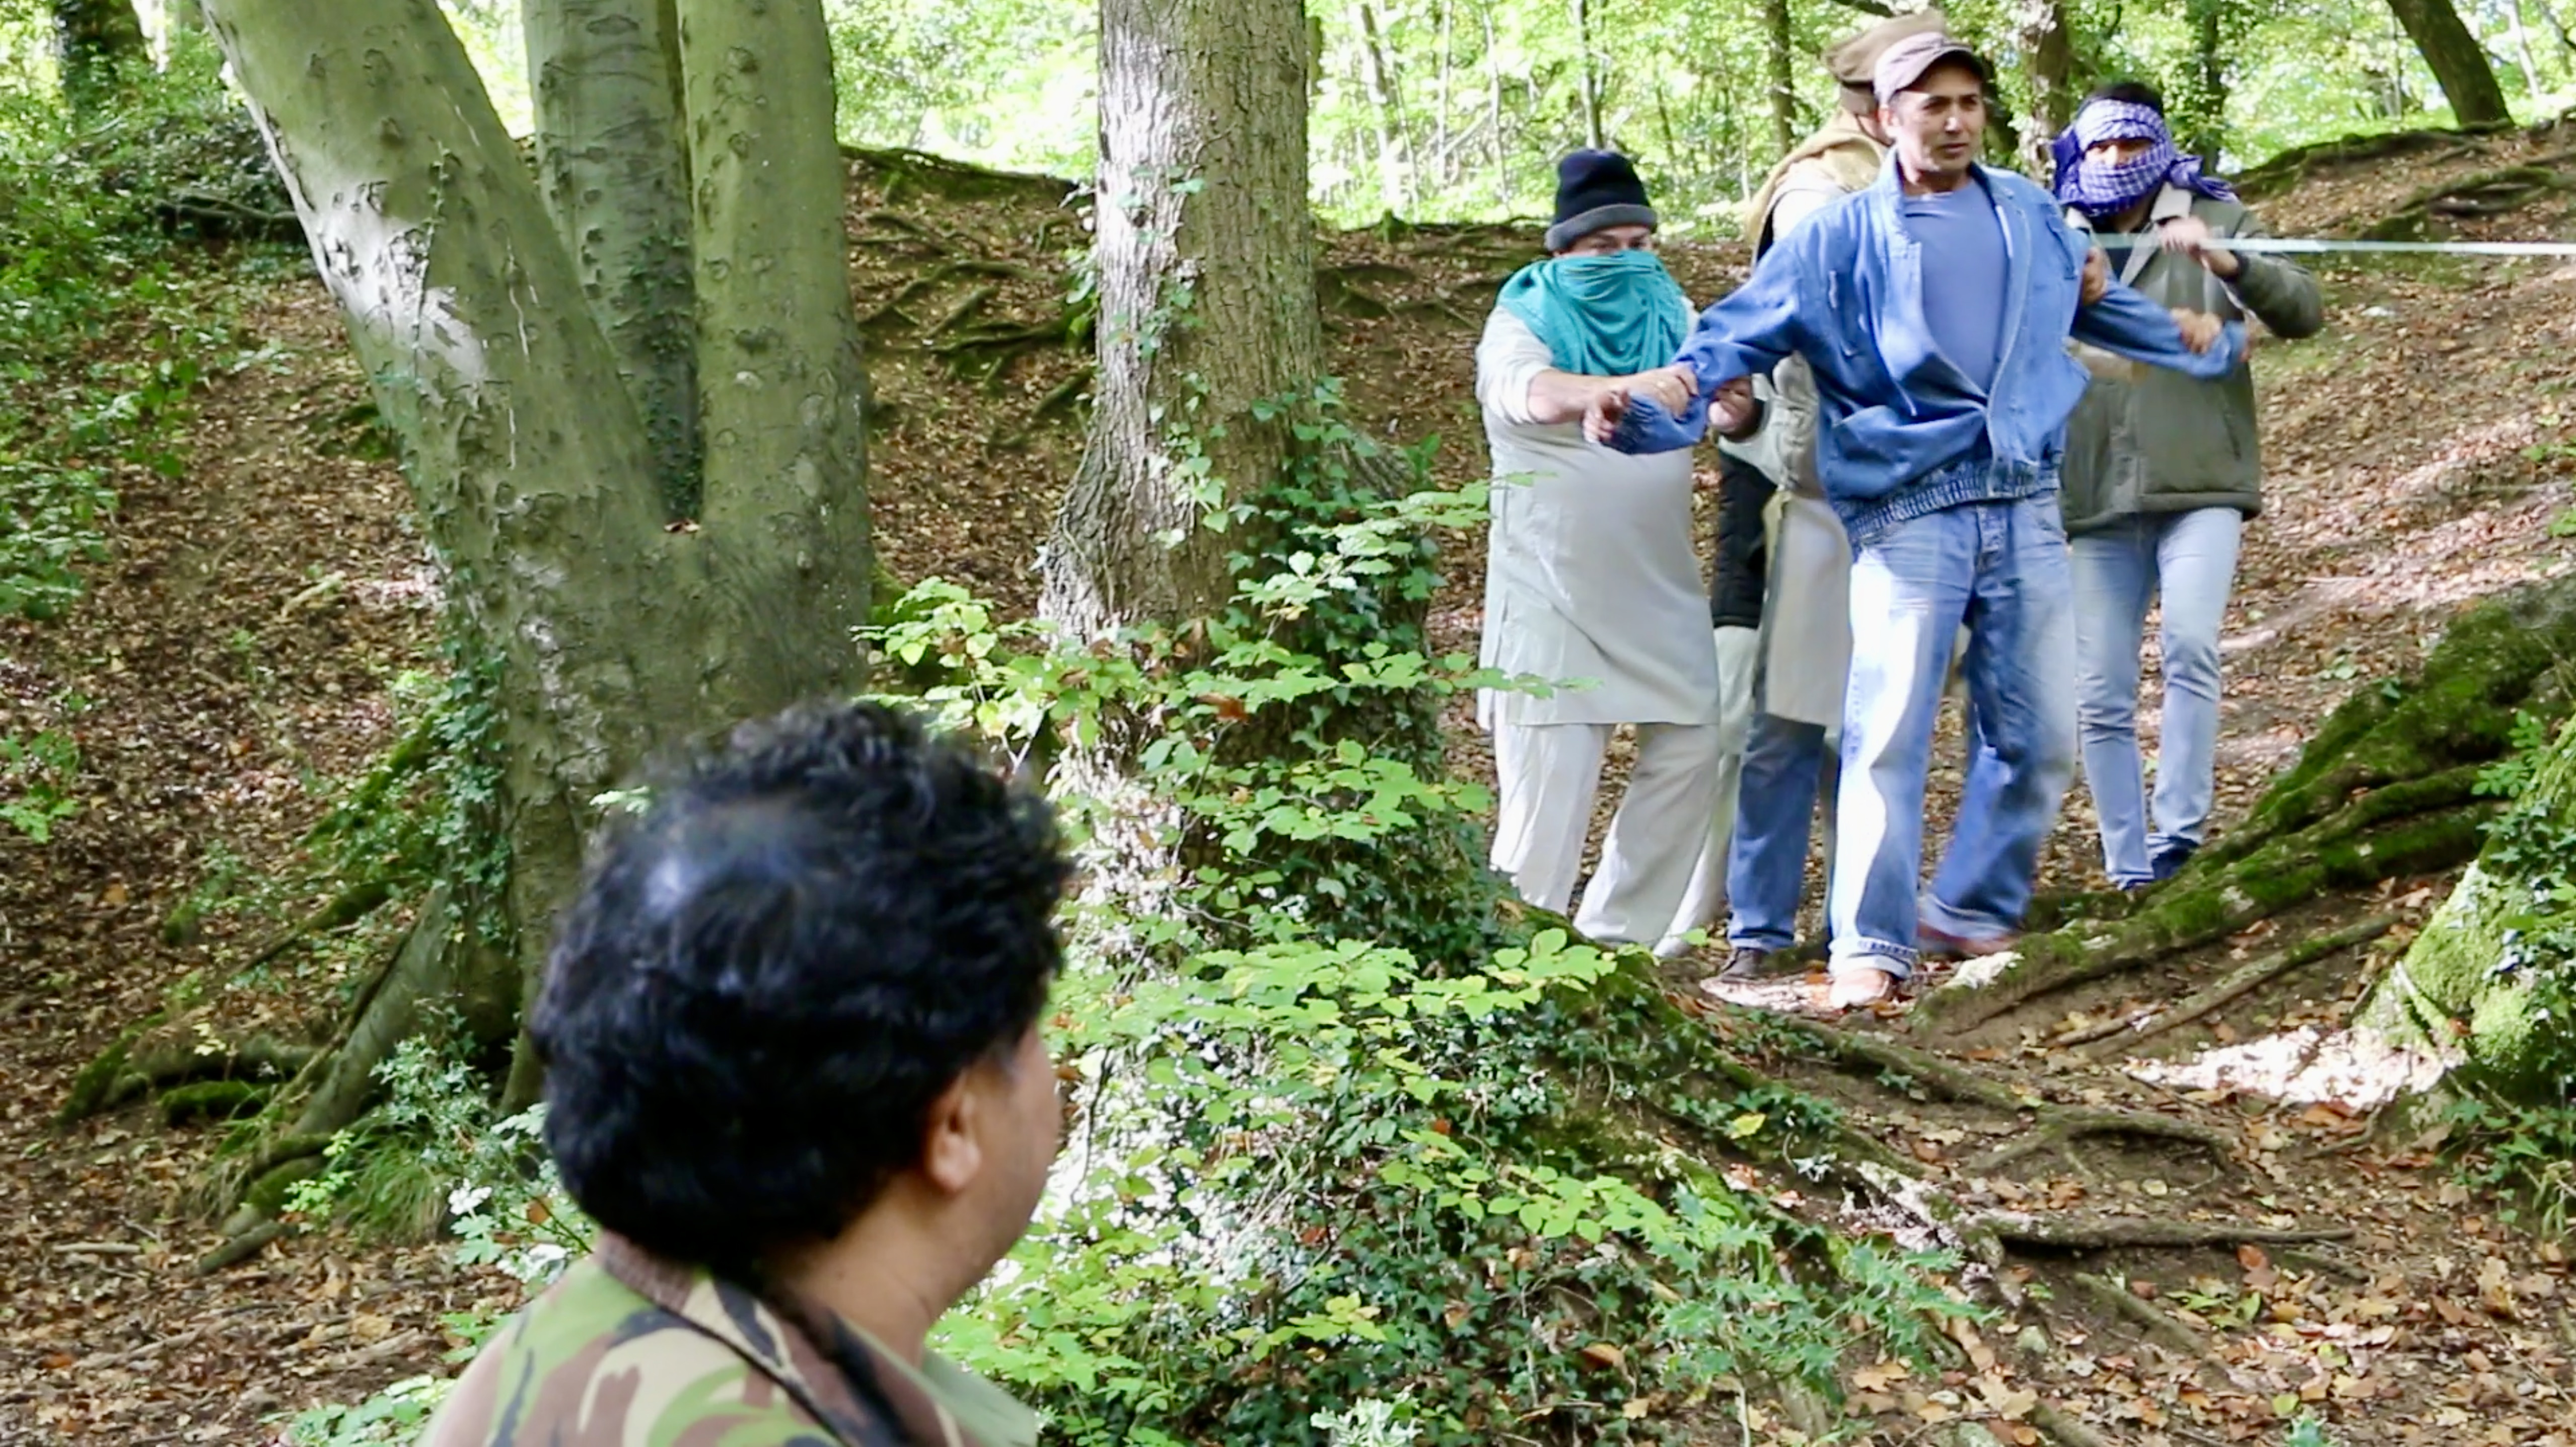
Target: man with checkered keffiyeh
point(2161, 472)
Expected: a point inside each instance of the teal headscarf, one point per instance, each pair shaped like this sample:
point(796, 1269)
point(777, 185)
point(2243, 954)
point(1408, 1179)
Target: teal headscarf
point(1602, 316)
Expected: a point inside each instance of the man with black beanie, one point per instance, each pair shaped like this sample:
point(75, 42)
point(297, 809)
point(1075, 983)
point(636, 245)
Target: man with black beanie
point(1591, 581)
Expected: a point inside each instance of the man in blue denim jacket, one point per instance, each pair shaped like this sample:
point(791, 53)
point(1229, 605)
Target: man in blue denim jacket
point(1935, 309)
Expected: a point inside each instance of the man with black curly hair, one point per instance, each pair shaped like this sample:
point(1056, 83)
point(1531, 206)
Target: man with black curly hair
point(793, 1068)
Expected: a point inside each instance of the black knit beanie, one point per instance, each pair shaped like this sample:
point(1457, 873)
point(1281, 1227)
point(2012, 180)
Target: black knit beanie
point(1596, 190)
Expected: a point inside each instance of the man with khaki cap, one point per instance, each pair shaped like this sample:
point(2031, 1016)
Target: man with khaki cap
point(1782, 552)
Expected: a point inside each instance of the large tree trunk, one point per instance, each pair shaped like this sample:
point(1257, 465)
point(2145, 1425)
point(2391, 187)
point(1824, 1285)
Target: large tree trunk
point(615, 173)
point(1205, 257)
point(1780, 52)
point(95, 40)
point(613, 635)
point(2458, 62)
point(782, 390)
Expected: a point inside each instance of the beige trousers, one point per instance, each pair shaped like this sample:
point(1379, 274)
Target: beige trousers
point(1549, 776)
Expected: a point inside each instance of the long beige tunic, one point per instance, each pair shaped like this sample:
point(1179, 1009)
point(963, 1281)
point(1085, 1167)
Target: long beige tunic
point(1590, 572)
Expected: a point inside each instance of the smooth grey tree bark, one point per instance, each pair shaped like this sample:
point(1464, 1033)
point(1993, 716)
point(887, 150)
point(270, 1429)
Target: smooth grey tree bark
point(615, 174)
point(616, 632)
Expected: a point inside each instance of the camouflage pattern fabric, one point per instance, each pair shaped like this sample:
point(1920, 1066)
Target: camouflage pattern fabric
point(630, 1350)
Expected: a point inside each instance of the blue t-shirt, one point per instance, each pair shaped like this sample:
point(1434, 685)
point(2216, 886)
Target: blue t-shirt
point(1963, 276)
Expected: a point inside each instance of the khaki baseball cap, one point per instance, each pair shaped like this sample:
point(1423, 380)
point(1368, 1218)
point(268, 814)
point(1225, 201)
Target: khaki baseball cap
point(1854, 63)
point(1905, 63)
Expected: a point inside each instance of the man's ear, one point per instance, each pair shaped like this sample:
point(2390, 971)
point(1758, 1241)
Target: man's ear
point(952, 1147)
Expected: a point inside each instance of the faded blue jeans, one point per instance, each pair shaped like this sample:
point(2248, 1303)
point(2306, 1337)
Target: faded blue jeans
point(2188, 560)
point(1775, 804)
point(2002, 569)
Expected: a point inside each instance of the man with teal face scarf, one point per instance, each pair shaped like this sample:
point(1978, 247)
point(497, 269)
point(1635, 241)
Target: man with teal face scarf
point(1592, 582)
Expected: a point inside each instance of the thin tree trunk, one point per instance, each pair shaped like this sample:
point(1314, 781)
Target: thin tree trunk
point(2522, 52)
point(615, 174)
point(1585, 76)
point(1664, 124)
point(1207, 302)
point(2201, 102)
point(95, 40)
point(2048, 38)
point(1494, 109)
point(781, 387)
point(1381, 97)
point(2456, 59)
point(1448, 63)
point(1779, 50)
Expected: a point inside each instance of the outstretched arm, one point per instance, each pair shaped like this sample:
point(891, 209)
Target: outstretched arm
point(2124, 323)
point(1743, 335)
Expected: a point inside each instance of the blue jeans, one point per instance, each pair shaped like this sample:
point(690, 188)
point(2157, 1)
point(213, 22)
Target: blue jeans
point(2002, 569)
point(1774, 806)
point(2188, 560)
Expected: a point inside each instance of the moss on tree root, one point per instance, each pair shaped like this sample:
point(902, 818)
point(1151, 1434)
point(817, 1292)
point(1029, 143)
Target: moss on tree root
point(2388, 788)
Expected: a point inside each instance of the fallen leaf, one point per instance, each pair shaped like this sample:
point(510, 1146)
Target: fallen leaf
point(1603, 1355)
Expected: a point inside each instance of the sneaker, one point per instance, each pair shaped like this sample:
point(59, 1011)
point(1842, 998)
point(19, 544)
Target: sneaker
point(1861, 988)
point(1745, 962)
point(2170, 860)
point(1940, 944)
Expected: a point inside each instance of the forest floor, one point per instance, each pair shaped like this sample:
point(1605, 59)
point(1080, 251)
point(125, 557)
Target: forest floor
point(269, 612)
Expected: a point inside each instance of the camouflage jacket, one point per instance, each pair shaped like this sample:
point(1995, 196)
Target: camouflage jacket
point(631, 1350)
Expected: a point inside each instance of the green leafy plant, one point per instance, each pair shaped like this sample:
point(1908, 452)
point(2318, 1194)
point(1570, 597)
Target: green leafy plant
point(36, 777)
point(1359, 1155)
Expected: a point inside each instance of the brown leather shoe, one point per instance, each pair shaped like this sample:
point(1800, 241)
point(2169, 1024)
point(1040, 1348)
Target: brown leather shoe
point(1940, 944)
point(1745, 962)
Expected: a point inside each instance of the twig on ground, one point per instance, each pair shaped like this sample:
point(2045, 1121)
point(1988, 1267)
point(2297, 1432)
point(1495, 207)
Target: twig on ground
point(117, 1359)
point(2319, 1261)
point(2158, 1325)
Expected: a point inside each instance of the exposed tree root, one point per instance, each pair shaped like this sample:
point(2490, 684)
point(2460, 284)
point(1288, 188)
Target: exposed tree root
point(212, 1100)
point(966, 306)
point(97, 1078)
point(2282, 873)
point(333, 1088)
point(256, 1059)
point(2061, 1126)
point(2291, 167)
point(354, 902)
point(2489, 193)
point(2054, 1125)
point(2227, 991)
point(2067, 1430)
point(240, 1247)
point(981, 353)
point(2074, 1232)
point(2159, 1326)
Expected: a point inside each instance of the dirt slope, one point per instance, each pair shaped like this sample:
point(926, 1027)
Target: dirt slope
point(223, 681)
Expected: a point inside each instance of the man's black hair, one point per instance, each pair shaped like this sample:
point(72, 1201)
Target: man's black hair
point(2129, 92)
point(770, 977)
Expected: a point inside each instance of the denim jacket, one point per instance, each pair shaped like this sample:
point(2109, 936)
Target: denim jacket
point(1902, 426)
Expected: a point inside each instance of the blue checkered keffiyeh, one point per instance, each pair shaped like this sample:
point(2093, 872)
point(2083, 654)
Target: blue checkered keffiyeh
point(2100, 190)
